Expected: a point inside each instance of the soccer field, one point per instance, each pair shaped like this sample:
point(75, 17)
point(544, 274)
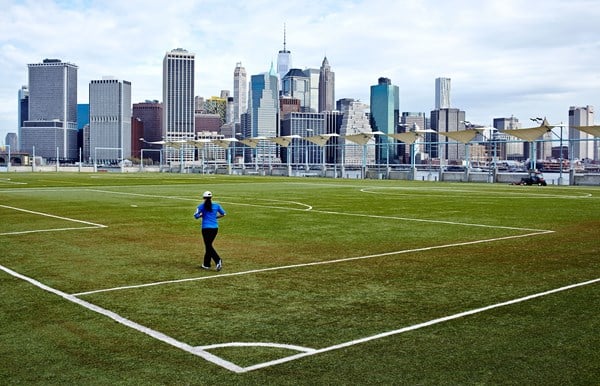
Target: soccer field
point(324, 282)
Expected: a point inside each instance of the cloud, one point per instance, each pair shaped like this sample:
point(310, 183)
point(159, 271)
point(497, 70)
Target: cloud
point(505, 57)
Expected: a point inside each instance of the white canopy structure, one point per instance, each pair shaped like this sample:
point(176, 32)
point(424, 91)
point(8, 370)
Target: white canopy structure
point(532, 133)
point(199, 143)
point(463, 136)
point(409, 137)
point(253, 141)
point(359, 138)
point(225, 142)
point(285, 140)
point(591, 130)
point(175, 144)
point(321, 139)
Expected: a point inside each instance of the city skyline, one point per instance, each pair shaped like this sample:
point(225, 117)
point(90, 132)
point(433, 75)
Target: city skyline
point(503, 58)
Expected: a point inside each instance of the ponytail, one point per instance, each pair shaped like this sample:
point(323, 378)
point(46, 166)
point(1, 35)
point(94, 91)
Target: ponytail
point(208, 204)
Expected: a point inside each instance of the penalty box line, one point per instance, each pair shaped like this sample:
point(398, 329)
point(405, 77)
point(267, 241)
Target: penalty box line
point(88, 223)
point(310, 209)
point(534, 232)
point(292, 266)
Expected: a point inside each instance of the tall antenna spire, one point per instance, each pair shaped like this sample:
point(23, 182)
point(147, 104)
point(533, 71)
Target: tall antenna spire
point(284, 37)
point(284, 51)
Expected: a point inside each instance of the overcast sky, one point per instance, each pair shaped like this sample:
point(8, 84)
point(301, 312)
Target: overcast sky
point(525, 58)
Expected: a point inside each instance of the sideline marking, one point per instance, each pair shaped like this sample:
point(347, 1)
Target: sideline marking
point(342, 260)
point(200, 351)
point(416, 326)
point(310, 208)
point(91, 224)
point(535, 233)
point(478, 193)
point(129, 323)
point(8, 181)
point(431, 190)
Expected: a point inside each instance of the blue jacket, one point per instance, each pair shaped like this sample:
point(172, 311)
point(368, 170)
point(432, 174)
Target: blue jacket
point(209, 219)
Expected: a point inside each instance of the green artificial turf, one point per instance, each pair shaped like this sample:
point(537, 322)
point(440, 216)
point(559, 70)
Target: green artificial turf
point(316, 263)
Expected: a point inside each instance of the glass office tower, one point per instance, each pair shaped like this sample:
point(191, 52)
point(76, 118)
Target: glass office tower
point(263, 110)
point(385, 111)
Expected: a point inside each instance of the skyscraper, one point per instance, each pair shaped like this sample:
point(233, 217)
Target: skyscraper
point(284, 60)
point(304, 125)
point(385, 111)
point(263, 110)
point(413, 121)
point(83, 115)
point(326, 87)
point(178, 102)
point(355, 121)
point(150, 113)
point(12, 140)
point(240, 92)
point(585, 146)
point(51, 128)
point(313, 89)
point(296, 84)
point(443, 121)
point(110, 120)
point(23, 105)
point(216, 105)
point(442, 93)
point(504, 147)
point(23, 111)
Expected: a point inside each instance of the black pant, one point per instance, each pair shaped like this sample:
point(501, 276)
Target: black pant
point(209, 235)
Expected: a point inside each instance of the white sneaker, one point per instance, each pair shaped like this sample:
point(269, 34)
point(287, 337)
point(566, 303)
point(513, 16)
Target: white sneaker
point(220, 265)
point(203, 267)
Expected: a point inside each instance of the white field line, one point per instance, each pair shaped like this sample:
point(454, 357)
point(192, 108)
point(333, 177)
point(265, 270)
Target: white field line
point(535, 233)
point(200, 351)
point(416, 326)
point(258, 344)
point(336, 261)
point(310, 208)
point(48, 230)
point(432, 221)
point(90, 224)
point(8, 181)
point(478, 193)
point(131, 324)
point(306, 206)
point(437, 191)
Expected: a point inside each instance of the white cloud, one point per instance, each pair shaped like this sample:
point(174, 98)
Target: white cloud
point(505, 57)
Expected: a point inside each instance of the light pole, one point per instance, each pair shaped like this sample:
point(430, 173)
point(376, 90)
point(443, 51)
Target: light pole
point(533, 162)
point(411, 137)
point(560, 176)
point(540, 121)
point(8, 161)
point(306, 144)
point(243, 151)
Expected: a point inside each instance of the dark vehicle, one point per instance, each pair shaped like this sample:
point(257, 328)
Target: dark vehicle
point(535, 178)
